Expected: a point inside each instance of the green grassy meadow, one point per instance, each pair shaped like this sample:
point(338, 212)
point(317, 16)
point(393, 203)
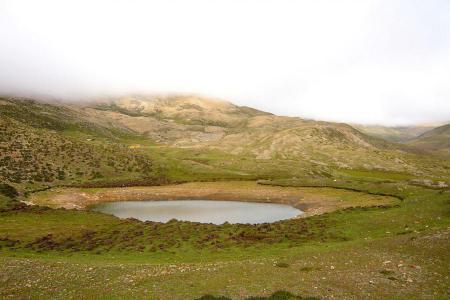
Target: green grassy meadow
point(398, 251)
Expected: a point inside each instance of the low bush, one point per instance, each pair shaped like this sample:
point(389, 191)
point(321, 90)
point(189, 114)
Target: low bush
point(8, 190)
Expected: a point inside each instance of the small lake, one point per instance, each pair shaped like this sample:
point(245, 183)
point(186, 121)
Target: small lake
point(204, 211)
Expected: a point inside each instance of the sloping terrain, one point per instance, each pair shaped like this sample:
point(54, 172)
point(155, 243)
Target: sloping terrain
point(43, 144)
point(398, 134)
point(148, 138)
point(191, 122)
point(435, 139)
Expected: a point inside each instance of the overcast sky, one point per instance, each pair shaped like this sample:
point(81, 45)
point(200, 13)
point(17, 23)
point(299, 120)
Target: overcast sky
point(384, 62)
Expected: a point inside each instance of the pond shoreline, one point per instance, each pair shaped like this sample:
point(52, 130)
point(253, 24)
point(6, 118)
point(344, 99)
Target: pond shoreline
point(311, 201)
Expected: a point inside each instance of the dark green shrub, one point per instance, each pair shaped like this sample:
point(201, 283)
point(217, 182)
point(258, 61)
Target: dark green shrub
point(8, 191)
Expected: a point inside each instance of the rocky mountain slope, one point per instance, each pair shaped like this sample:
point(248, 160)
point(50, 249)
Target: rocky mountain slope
point(193, 122)
point(183, 137)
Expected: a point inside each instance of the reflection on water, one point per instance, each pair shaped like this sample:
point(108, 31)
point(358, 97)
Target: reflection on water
point(204, 211)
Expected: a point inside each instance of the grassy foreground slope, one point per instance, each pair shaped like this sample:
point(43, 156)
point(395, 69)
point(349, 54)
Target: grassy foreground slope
point(395, 251)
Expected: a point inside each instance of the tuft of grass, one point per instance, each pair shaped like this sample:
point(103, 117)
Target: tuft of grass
point(282, 265)
point(387, 272)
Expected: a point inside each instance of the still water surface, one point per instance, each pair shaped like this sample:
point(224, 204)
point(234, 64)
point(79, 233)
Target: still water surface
point(204, 211)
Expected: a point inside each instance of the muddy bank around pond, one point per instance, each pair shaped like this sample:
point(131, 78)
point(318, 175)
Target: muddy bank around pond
point(311, 201)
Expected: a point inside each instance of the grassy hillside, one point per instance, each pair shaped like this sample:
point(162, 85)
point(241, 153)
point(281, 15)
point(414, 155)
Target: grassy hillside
point(198, 124)
point(146, 140)
point(399, 134)
point(435, 139)
point(46, 144)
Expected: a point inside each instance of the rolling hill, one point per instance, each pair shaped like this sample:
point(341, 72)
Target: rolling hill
point(43, 143)
point(435, 139)
point(149, 139)
point(400, 134)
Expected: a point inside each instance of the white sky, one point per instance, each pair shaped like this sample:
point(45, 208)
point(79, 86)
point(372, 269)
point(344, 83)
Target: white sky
point(384, 62)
